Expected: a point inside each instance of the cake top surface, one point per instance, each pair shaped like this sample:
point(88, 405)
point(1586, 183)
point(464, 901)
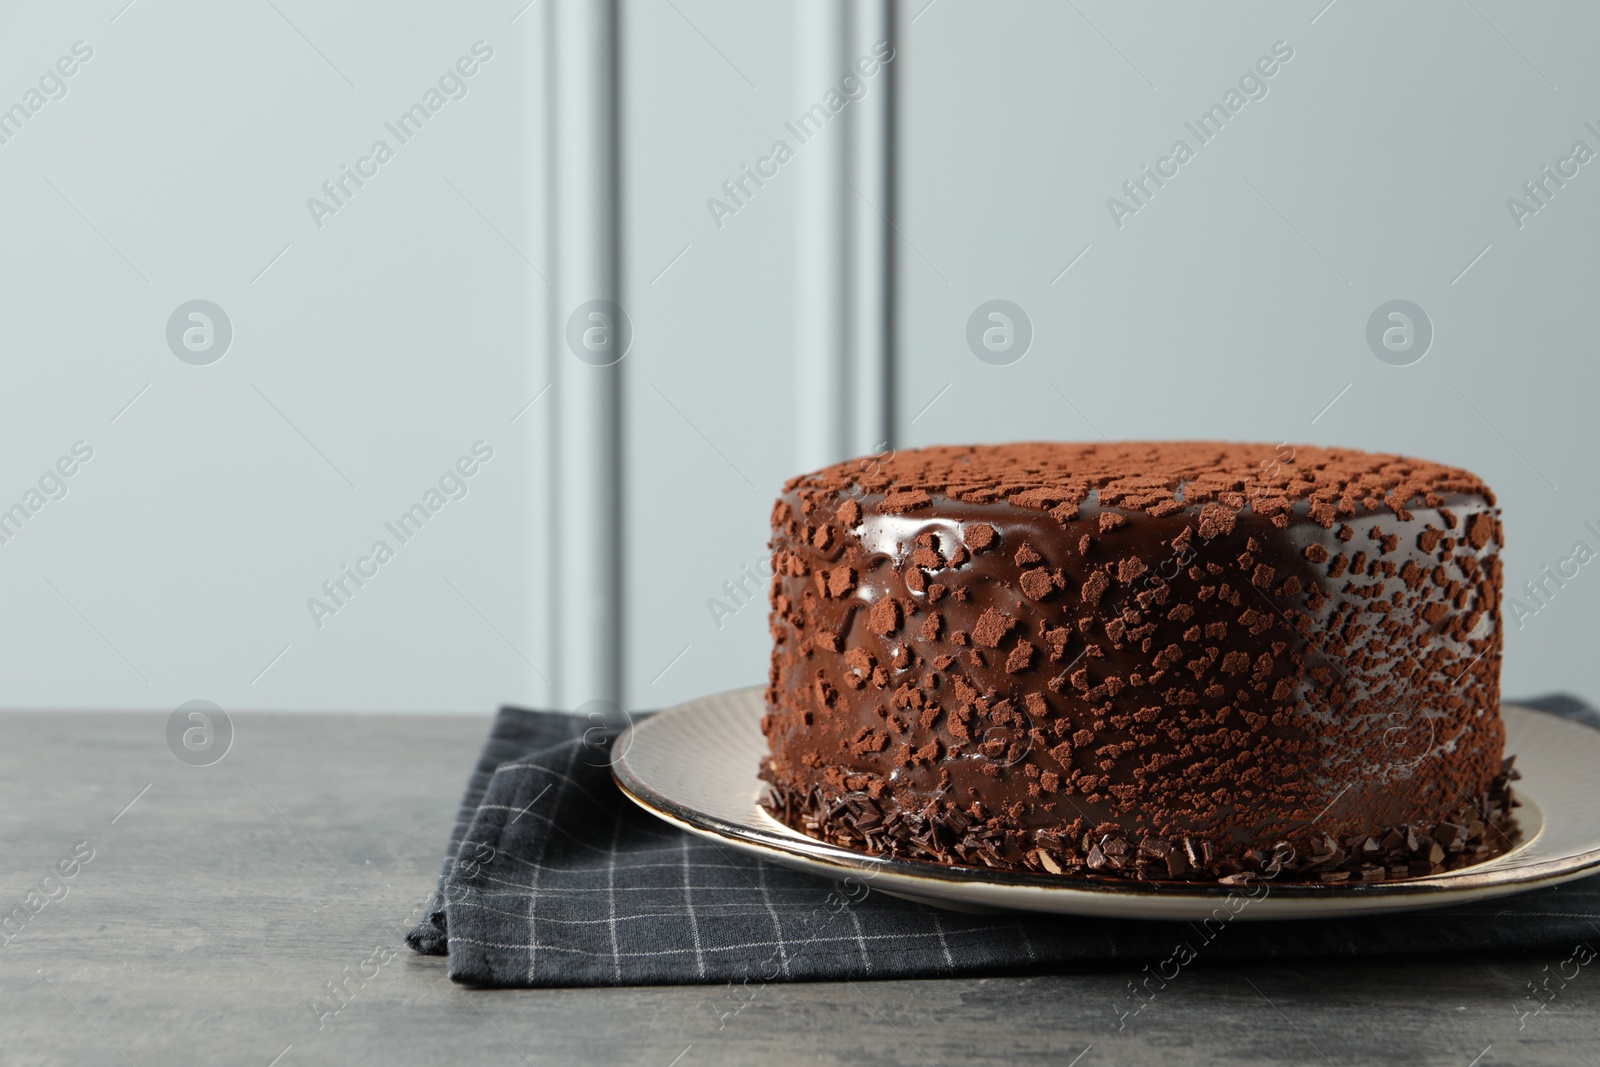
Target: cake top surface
point(1159, 477)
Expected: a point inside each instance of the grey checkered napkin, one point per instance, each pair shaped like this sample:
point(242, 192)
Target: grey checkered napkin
point(554, 878)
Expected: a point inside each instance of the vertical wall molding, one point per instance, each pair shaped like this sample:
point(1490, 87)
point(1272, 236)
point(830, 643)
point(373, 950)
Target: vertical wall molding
point(844, 297)
point(844, 339)
point(586, 507)
point(869, 276)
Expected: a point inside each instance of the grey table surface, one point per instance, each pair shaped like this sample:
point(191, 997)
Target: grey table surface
point(220, 900)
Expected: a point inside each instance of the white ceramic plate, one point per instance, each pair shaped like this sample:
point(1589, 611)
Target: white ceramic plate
point(695, 766)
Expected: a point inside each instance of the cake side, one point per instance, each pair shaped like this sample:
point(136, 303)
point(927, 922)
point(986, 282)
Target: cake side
point(1174, 660)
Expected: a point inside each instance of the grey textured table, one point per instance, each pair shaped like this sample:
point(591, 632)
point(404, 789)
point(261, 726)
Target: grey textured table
point(220, 904)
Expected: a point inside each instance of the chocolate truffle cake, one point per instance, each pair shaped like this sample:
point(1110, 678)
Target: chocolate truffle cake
point(1174, 660)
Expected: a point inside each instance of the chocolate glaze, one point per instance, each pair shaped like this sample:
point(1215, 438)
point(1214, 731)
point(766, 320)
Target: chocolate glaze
point(1161, 689)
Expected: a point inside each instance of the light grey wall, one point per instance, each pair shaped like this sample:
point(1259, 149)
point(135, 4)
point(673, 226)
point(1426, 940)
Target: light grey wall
point(414, 322)
point(709, 408)
point(368, 354)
